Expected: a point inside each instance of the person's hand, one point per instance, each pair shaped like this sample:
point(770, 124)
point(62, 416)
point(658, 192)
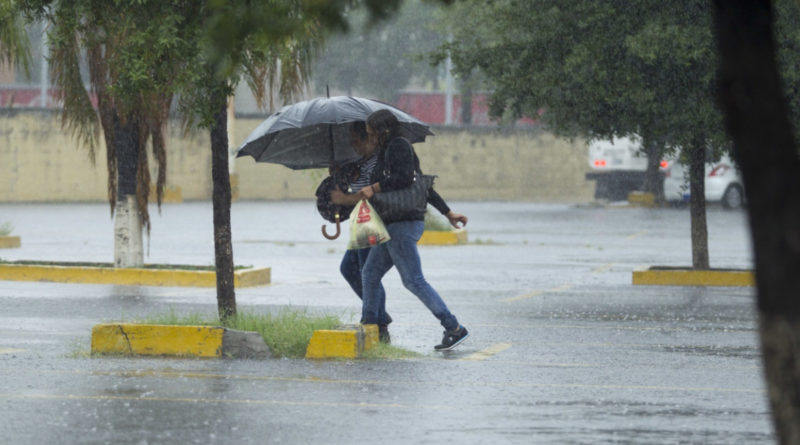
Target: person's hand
point(338, 196)
point(456, 218)
point(366, 192)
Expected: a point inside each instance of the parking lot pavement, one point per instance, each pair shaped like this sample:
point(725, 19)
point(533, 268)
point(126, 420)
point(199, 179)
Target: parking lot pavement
point(563, 349)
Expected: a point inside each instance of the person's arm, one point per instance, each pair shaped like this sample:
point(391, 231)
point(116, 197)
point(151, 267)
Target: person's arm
point(436, 200)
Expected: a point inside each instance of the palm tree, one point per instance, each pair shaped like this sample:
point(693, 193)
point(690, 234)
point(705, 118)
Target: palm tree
point(14, 43)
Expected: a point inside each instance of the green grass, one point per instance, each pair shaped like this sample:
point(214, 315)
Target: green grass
point(6, 229)
point(286, 333)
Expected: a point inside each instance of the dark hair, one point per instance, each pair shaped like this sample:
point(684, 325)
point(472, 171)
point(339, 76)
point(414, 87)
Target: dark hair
point(358, 129)
point(385, 125)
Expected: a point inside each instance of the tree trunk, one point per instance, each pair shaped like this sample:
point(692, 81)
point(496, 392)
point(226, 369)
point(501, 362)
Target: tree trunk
point(223, 248)
point(653, 179)
point(128, 251)
point(697, 203)
point(757, 118)
point(466, 101)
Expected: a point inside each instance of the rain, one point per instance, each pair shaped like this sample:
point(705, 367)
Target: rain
point(611, 272)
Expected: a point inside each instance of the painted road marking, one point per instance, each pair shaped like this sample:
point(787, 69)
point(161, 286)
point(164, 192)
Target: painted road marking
point(10, 350)
point(637, 234)
point(536, 293)
point(203, 375)
point(604, 268)
point(488, 352)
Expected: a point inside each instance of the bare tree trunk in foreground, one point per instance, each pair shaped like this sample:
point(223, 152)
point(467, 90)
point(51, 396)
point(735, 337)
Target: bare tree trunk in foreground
point(757, 118)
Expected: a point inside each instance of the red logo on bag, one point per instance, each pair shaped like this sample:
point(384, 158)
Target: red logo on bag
point(373, 240)
point(363, 213)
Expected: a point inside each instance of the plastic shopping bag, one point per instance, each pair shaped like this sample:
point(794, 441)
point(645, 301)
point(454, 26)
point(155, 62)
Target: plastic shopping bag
point(366, 227)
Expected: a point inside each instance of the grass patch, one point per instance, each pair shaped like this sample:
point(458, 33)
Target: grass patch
point(111, 265)
point(6, 229)
point(382, 351)
point(286, 333)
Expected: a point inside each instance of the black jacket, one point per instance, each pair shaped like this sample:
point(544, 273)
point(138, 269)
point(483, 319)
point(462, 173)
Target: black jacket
point(397, 163)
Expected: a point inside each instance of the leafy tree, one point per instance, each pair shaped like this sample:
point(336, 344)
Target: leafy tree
point(753, 86)
point(14, 44)
point(602, 69)
point(132, 48)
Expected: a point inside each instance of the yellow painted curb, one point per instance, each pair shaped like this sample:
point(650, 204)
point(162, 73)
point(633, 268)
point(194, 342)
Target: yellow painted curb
point(443, 238)
point(641, 199)
point(689, 277)
point(181, 341)
point(10, 242)
point(343, 342)
point(131, 277)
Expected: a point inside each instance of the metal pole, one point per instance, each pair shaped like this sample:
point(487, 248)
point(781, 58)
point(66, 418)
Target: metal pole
point(44, 79)
point(448, 96)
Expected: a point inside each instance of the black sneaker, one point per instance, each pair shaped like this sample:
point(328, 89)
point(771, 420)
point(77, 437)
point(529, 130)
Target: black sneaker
point(452, 339)
point(383, 334)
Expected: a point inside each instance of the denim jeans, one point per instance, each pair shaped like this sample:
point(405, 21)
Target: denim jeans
point(400, 251)
point(351, 266)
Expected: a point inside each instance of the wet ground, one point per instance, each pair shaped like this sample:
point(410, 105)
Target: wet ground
point(563, 349)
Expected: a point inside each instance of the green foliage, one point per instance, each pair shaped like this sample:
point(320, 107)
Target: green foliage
point(14, 43)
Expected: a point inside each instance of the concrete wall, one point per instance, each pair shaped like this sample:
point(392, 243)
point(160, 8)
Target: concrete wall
point(39, 161)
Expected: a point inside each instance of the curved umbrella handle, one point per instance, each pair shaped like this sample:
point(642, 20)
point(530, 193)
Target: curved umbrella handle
point(338, 230)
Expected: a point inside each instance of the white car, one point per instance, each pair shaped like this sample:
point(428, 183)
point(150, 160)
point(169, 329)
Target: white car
point(723, 183)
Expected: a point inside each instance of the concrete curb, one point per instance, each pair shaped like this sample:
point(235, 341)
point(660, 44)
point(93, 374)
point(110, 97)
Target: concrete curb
point(10, 242)
point(349, 341)
point(180, 341)
point(130, 277)
point(675, 276)
point(443, 238)
point(641, 199)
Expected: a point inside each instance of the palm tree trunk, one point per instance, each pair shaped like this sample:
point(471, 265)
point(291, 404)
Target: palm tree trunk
point(128, 251)
point(223, 248)
point(757, 118)
point(697, 203)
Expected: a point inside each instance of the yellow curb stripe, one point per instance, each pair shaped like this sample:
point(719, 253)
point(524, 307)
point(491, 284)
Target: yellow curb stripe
point(687, 277)
point(10, 350)
point(222, 401)
point(127, 276)
point(637, 234)
point(343, 342)
point(604, 268)
point(443, 238)
point(488, 352)
point(536, 293)
point(10, 242)
point(136, 339)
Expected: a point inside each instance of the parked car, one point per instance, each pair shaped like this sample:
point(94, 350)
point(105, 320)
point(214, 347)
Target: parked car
point(723, 183)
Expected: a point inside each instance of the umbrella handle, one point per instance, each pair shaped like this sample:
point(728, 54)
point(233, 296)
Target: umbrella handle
point(338, 230)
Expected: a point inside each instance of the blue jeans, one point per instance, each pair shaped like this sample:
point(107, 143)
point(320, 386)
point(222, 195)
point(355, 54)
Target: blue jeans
point(400, 251)
point(351, 266)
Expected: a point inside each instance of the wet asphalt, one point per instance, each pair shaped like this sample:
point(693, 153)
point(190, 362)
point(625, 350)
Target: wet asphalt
point(563, 348)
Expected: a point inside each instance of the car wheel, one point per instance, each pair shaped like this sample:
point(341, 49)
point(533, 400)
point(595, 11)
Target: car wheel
point(733, 197)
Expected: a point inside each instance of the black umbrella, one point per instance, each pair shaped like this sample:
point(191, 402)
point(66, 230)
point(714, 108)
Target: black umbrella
point(316, 133)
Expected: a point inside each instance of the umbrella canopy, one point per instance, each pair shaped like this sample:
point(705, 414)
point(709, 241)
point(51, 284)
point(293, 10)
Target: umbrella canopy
point(316, 133)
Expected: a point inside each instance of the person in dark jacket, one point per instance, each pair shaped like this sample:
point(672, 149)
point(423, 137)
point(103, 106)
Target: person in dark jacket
point(353, 261)
point(395, 169)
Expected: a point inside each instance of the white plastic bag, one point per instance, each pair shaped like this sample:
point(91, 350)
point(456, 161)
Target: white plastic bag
point(366, 227)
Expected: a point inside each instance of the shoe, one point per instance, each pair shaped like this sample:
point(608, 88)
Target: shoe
point(452, 339)
point(383, 334)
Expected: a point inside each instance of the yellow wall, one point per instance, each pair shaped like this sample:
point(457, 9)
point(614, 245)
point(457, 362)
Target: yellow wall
point(39, 161)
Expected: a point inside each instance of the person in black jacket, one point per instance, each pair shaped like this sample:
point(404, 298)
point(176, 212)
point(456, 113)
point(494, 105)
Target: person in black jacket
point(353, 261)
point(396, 168)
